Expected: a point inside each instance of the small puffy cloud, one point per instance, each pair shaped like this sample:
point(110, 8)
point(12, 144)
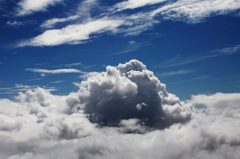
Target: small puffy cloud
point(26, 7)
point(15, 23)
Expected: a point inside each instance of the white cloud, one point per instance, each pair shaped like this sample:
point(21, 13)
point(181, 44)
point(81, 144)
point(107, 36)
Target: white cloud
point(57, 82)
point(85, 7)
point(132, 46)
point(72, 64)
point(39, 124)
point(180, 72)
point(178, 60)
point(228, 50)
point(52, 22)
point(22, 88)
point(110, 96)
point(137, 23)
point(54, 71)
point(27, 7)
point(132, 4)
point(127, 24)
point(195, 11)
point(73, 34)
point(15, 23)
point(227, 104)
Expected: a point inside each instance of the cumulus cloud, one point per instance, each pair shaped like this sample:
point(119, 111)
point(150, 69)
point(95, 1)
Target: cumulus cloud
point(219, 104)
point(38, 124)
point(129, 91)
point(26, 7)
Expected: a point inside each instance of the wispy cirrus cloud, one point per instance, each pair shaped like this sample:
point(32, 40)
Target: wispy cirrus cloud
point(114, 20)
point(204, 77)
point(132, 4)
point(195, 11)
point(173, 73)
point(80, 33)
point(228, 50)
point(57, 71)
point(72, 34)
point(55, 82)
point(26, 7)
point(72, 64)
point(52, 22)
point(15, 23)
point(22, 88)
point(132, 46)
point(178, 60)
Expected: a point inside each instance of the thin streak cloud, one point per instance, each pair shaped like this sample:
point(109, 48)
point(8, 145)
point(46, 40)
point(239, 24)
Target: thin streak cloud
point(57, 71)
point(132, 4)
point(178, 60)
point(72, 34)
point(52, 22)
point(173, 73)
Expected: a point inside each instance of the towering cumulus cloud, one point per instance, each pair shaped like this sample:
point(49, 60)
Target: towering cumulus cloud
point(130, 91)
point(124, 112)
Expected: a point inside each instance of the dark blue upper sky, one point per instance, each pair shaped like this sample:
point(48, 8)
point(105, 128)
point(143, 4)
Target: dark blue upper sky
point(191, 46)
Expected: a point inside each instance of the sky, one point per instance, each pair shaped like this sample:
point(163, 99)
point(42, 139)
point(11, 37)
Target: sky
point(119, 79)
point(191, 46)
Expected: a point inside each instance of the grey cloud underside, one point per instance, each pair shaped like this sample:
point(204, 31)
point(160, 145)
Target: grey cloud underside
point(40, 125)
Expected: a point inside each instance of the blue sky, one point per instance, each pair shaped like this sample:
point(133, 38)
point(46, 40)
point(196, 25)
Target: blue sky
point(191, 46)
point(112, 79)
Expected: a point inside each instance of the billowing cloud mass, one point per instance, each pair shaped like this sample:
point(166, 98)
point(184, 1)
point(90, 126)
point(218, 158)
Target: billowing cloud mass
point(124, 112)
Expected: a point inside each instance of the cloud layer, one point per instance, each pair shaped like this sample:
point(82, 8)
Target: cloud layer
point(125, 98)
point(115, 20)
